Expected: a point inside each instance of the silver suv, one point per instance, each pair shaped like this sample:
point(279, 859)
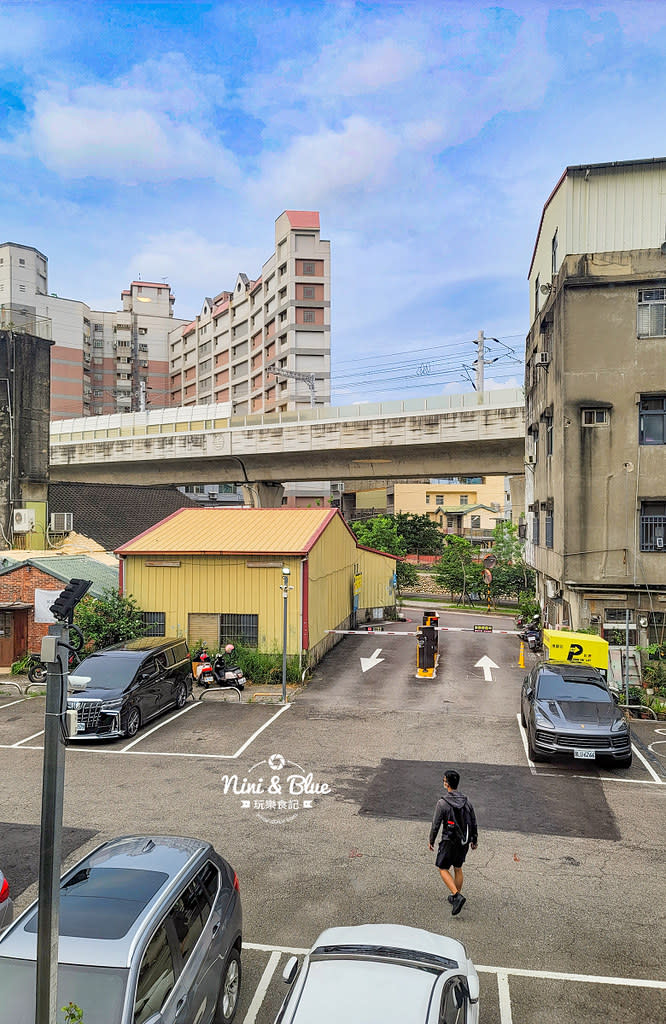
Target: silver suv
point(150, 933)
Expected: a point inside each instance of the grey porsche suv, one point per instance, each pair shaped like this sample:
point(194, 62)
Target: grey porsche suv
point(150, 933)
point(568, 710)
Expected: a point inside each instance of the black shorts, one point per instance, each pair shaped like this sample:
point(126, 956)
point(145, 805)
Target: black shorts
point(451, 853)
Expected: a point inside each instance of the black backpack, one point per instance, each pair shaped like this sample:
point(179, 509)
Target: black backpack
point(463, 822)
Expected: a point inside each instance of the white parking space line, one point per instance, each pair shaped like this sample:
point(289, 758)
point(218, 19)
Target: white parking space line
point(648, 766)
point(160, 725)
point(523, 736)
point(504, 997)
point(12, 703)
point(20, 742)
point(508, 972)
point(262, 987)
point(654, 781)
point(254, 735)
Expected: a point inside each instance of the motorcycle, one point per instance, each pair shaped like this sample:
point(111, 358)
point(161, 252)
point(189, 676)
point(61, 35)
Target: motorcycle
point(36, 668)
point(532, 634)
point(225, 673)
point(202, 669)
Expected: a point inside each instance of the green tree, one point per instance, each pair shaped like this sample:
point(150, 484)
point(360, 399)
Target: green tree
point(507, 545)
point(381, 533)
point(108, 619)
point(457, 571)
point(420, 533)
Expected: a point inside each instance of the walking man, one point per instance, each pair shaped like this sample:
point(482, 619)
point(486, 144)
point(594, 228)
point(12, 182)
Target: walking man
point(455, 814)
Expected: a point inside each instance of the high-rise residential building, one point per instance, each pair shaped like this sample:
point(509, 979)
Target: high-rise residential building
point(595, 387)
point(101, 362)
point(265, 345)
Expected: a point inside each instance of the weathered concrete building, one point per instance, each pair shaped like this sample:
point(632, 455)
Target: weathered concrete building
point(595, 390)
point(24, 429)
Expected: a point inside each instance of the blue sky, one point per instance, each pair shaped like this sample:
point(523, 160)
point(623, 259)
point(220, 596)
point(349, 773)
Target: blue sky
point(163, 139)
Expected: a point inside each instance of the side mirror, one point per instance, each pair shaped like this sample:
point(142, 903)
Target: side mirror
point(529, 693)
point(291, 970)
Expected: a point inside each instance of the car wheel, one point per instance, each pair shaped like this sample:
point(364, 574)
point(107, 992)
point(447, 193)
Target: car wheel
point(534, 754)
point(227, 1002)
point(133, 723)
point(181, 695)
point(624, 762)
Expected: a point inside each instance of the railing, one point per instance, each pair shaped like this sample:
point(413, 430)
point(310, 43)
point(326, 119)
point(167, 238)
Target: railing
point(219, 416)
point(653, 533)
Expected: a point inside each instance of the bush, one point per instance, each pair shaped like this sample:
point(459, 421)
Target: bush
point(260, 667)
point(20, 667)
point(108, 620)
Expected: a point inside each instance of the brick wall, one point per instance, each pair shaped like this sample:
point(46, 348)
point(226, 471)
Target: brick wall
point(20, 585)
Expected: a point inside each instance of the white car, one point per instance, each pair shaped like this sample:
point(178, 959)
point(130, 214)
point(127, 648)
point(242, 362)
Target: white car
point(382, 974)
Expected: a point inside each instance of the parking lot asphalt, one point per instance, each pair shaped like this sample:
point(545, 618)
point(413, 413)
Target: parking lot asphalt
point(561, 915)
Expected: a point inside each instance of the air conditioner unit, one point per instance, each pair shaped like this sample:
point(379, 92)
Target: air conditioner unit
point(61, 522)
point(23, 520)
point(542, 358)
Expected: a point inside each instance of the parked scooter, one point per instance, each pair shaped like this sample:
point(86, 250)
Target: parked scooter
point(225, 673)
point(532, 634)
point(202, 669)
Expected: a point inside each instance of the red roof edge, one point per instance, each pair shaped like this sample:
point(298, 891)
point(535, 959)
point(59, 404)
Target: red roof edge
point(543, 214)
point(303, 218)
point(122, 550)
point(386, 554)
point(309, 544)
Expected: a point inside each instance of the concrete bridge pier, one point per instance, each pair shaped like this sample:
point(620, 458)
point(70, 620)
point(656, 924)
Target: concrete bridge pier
point(263, 494)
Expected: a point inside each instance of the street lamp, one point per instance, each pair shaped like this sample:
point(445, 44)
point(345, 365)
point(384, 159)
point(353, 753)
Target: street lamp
point(285, 588)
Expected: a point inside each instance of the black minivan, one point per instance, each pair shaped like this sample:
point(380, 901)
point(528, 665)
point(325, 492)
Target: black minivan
point(116, 691)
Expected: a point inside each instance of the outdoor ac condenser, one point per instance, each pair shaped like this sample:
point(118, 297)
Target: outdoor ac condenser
point(23, 520)
point(61, 522)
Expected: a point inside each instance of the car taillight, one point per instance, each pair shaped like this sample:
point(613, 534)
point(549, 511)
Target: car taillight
point(236, 882)
point(4, 890)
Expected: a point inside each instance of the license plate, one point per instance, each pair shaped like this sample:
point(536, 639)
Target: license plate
point(587, 754)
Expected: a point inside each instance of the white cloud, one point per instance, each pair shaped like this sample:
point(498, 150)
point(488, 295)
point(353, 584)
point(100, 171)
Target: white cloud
point(152, 124)
point(314, 167)
point(194, 265)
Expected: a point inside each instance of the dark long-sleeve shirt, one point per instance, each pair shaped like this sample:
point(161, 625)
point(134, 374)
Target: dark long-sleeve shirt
point(443, 817)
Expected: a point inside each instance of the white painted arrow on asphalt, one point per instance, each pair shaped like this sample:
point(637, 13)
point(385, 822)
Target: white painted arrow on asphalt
point(486, 664)
point(367, 663)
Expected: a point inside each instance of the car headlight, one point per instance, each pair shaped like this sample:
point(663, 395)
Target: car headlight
point(619, 725)
point(543, 723)
point(112, 705)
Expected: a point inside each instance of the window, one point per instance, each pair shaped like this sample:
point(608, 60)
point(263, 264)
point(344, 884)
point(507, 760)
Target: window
point(594, 417)
point(98, 343)
point(187, 917)
point(549, 528)
point(308, 316)
point(535, 528)
point(21, 263)
point(427, 499)
point(653, 525)
point(239, 629)
point(308, 267)
point(450, 522)
point(156, 977)
point(439, 499)
point(464, 499)
point(21, 287)
point(154, 623)
point(553, 254)
point(475, 522)
point(651, 321)
point(308, 291)
point(549, 434)
point(652, 419)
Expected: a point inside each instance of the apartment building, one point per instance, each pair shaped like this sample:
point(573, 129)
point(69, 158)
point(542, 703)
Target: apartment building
point(595, 384)
point(101, 362)
point(265, 344)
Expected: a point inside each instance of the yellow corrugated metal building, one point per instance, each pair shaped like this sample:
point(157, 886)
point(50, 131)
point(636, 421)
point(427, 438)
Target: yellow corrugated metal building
point(215, 574)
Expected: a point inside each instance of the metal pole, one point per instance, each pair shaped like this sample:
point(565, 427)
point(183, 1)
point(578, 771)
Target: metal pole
point(285, 592)
point(626, 658)
point(50, 840)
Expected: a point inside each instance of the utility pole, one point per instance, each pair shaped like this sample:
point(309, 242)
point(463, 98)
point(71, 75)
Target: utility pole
point(480, 362)
point(307, 378)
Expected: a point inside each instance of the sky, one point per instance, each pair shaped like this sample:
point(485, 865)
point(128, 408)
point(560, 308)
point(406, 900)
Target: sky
point(162, 140)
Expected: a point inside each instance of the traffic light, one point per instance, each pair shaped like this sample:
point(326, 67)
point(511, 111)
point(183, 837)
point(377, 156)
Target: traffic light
point(64, 605)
